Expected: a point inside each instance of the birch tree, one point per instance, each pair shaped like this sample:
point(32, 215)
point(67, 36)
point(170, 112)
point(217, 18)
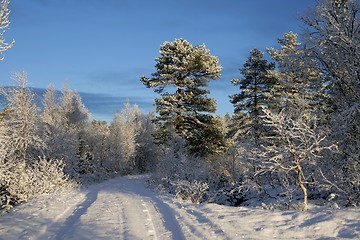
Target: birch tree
point(124, 131)
point(53, 129)
point(20, 143)
point(334, 37)
point(4, 25)
point(147, 153)
point(97, 135)
point(298, 144)
point(65, 119)
point(20, 126)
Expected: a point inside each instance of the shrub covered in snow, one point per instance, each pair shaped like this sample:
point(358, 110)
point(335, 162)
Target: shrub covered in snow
point(194, 191)
point(230, 196)
point(19, 183)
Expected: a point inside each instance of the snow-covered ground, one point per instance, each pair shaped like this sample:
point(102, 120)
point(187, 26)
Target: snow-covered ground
point(123, 208)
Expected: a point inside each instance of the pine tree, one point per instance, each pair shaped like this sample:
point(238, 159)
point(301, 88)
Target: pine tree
point(183, 73)
point(256, 89)
point(297, 73)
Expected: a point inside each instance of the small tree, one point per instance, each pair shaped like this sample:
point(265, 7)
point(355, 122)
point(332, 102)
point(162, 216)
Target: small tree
point(183, 73)
point(147, 153)
point(124, 131)
point(97, 135)
point(299, 142)
point(4, 25)
point(53, 125)
point(20, 123)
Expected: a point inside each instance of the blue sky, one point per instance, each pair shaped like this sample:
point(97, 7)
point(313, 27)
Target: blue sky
point(101, 48)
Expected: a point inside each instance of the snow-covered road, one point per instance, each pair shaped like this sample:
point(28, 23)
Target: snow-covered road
point(123, 208)
point(120, 208)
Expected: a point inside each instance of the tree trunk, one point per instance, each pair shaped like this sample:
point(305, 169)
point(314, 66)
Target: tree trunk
point(302, 185)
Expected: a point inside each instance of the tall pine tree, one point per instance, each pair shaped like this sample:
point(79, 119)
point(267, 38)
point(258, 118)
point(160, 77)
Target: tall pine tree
point(297, 72)
point(256, 89)
point(183, 73)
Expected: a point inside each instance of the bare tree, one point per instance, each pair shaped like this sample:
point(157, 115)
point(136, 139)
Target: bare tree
point(297, 144)
point(334, 38)
point(64, 122)
point(22, 172)
point(4, 25)
point(123, 137)
point(97, 134)
point(20, 122)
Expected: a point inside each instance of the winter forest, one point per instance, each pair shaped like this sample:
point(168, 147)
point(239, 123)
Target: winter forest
point(294, 135)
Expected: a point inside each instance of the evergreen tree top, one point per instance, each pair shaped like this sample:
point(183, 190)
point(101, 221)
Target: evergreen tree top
point(182, 65)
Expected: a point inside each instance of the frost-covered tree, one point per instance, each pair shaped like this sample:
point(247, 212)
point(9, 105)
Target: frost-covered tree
point(256, 90)
point(76, 113)
point(132, 118)
point(52, 127)
point(97, 135)
point(4, 25)
point(124, 131)
point(299, 142)
point(4, 140)
point(297, 73)
point(19, 124)
point(147, 152)
point(334, 38)
point(115, 138)
point(77, 118)
point(65, 119)
point(182, 74)
point(21, 147)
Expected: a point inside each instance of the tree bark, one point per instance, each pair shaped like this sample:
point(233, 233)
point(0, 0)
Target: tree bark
point(302, 185)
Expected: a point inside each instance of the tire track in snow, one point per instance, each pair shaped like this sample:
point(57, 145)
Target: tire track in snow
point(80, 210)
point(162, 216)
point(197, 225)
point(151, 231)
point(134, 218)
point(44, 229)
point(158, 218)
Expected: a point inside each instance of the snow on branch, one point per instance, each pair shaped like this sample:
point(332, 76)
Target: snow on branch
point(4, 25)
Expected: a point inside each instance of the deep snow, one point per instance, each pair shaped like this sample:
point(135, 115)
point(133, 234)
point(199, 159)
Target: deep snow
point(123, 208)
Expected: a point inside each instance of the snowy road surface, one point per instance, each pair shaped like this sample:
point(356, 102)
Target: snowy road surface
point(123, 208)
